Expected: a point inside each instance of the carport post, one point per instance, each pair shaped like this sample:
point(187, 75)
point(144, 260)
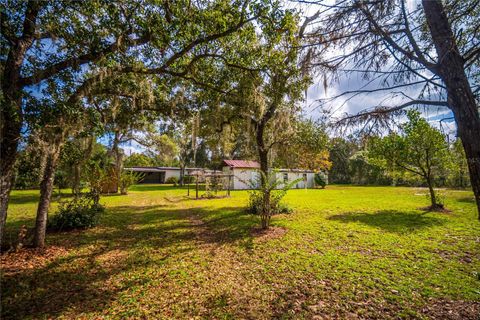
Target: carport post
point(229, 182)
point(196, 187)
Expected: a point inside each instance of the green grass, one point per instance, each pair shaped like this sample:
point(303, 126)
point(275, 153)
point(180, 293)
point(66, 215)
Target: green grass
point(345, 251)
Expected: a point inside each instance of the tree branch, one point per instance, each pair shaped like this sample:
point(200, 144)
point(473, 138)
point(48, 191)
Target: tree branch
point(384, 110)
point(92, 56)
point(378, 29)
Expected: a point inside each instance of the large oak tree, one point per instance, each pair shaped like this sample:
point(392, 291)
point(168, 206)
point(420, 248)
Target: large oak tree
point(89, 40)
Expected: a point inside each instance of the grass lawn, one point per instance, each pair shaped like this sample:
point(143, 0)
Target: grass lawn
point(346, 252)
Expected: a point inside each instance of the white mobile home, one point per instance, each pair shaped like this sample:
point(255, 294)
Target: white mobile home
point(305, 178)
point(246, 175)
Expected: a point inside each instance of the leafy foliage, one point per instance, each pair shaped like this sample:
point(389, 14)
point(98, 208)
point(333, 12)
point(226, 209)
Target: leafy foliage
point(79, 213)
point(172, 180)
point(139, 160)
point(267, 200)
point(129, 178)
point(321, 179)
point(307, 148)
point(418, 149)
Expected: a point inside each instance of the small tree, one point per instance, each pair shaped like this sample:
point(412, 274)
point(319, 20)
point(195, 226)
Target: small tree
point(267, 185)
point(129, 178)
point(321, 179)
point(418, 149)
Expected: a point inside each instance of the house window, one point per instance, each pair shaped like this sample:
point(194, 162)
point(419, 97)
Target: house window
point(285, 177)
point(305, 177)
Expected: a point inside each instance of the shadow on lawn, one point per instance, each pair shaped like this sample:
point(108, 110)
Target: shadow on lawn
point(466, 200)
point(97, 269)
point(391, 220)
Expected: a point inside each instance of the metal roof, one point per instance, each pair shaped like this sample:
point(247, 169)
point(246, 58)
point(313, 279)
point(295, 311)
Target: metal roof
point(295, 170)
point(158, 169)
point(145, 169)
point(242, 164)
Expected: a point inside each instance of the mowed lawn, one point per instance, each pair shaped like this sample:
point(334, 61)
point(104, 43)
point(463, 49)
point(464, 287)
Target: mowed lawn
point(346, 252)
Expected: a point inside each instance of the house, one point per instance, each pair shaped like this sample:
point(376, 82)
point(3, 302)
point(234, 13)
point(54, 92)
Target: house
point(246, 175)
point(159, 174)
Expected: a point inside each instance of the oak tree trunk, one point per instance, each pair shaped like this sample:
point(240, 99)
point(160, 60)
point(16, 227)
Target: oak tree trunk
point(76, 180)
point(451, 69)
point(263, 157)
point(11, 116)
point(433, 198)
point(11, 123)
point(118, 160)
point(46, 187)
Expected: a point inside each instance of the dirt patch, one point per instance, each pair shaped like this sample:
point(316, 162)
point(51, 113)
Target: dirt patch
point(438, 209)
point(271, 233)
point(174, 199)
point(30, 258)
point(453, 310)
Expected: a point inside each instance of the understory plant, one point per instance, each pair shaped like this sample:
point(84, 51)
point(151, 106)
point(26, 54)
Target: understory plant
point(172, 180)
point(81, 212)
point(129, 178)
point(265, 196)
point(321, 179)
point(213, 185)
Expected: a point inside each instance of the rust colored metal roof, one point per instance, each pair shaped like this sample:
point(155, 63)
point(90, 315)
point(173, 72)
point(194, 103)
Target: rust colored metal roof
point(241, 164)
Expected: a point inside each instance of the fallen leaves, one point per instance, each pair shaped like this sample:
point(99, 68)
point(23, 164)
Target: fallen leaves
point(30, 259)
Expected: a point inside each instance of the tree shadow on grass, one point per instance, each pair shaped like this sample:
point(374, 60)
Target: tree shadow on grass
point(391, 220)
point(467, 200)
point(94, 272)
point(21, 198)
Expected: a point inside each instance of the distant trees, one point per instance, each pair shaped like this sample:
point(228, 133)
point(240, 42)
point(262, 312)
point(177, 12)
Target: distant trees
point(139, 160)
point(418, 149)
point(307, 148)
point(341, 150)
point(75, 154)
point(458, 173)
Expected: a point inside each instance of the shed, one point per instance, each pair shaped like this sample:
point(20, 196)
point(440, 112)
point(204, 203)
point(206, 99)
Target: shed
point(245, 173)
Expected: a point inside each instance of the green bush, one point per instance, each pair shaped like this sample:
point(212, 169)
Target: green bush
point(277, 206)
point(267, 200)
point(172, 180)
point(129, 178)
point(188, 179)
point(78, 213)
point(320, 180)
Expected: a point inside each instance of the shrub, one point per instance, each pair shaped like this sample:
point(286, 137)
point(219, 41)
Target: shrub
point(320, 179)
point(267, 200)
point(79, 213)
point(188, 179)
point(172, 180)
point(129, 178)
point(277, 206)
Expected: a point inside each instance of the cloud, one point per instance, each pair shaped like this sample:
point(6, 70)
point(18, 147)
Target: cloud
point(339, 104)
